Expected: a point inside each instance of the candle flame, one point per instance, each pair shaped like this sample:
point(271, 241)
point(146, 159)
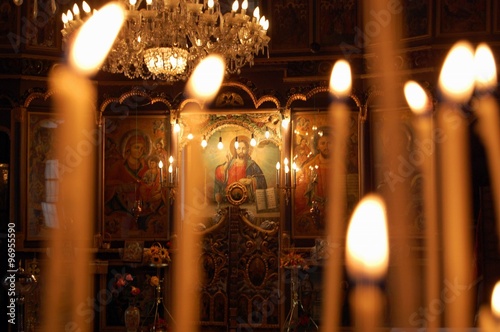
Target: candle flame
point(485, 68)
point(340, 79)
point(207, 77)
point(456, 80)
point(495, 300)
point(95, 38)
point(160, 164)
point(416, 97)
point(367, 252)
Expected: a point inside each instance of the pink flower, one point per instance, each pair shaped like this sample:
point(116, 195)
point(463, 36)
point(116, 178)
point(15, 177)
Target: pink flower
point(135, 291)
point(120, 282)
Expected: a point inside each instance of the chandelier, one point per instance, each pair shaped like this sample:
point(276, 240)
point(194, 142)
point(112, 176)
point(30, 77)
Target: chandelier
point(165, 39)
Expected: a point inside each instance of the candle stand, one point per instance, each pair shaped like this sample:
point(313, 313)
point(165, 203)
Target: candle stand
point(159, 298)
point(288, 325)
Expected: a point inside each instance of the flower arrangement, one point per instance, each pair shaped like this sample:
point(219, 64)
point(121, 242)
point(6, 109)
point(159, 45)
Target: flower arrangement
point(293, 260)
point(156, 255)
point(124, 289)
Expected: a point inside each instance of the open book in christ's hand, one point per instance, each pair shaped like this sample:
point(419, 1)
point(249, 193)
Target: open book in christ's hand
point(265, 199)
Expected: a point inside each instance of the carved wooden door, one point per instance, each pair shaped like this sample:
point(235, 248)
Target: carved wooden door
point(240, 262)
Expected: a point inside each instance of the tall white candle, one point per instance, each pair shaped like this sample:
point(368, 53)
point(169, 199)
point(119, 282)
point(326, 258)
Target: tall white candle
point(203, 85)
point(367, 260)
point(74, 101)
point(340, 87)
point(488, 124)
point(423, 123)
point(456, 83)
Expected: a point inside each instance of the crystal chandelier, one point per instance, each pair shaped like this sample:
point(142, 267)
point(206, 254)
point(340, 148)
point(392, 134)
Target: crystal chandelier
point(165, 39)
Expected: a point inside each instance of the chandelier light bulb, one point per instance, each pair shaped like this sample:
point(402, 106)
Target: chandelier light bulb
point(190, 136)
point(76, 10)
point(253, 142)
point(256, 14)
point(220, 146)
point(267, 134)
point(235, 6)
point(236, 144)
point(285, 122)
point(204, 142)
point(86, 7)
point(177, 126)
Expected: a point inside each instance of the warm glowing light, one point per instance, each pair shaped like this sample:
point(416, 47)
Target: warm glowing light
point(236, 144)
point(244, 5)
point(86, 7)
point(177, 126)
point(171, 159)
point(416, 97)
point(69, 14)
point(267, 134)
point(278, 165)
point(256, 13)
point(170, 169)
point(285, 122)
point(210, 3)
point(206, 78)
point(76, 10)
point(253, 142)
point(495, 300)
point(456, 80)
point(367, 254)
point(95, 38)
point(204, 142)
point(220, 146)
point(235, 6)
point(190, 136)
point(160, 164)
point(485, 68)
point(340, 80)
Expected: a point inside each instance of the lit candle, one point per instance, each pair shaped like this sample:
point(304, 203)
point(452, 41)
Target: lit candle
point(170, 170)
point(419, 103)
point(203, 85)
point(278, 166)
point(456, 83)
point(74, 101)
point(160, 165)
point(340, 87)
point(486, 109)
point(367, 260)
point(489, 318)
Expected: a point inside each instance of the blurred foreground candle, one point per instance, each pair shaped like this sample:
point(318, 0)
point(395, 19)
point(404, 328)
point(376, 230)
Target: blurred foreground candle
point(456, 83)
point(340, 87)
point(489, 318)
point(203, 85)
point(367, 260)
point(488, 126)
point(74, 103)
point(419, 103)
